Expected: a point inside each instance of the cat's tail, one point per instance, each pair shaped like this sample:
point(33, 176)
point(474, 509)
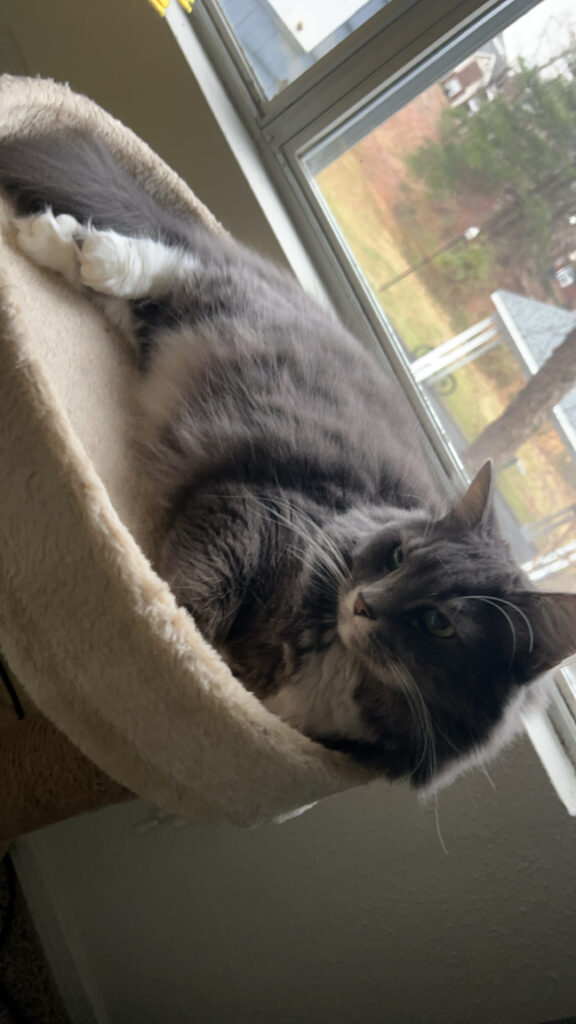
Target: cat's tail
point(76, 174)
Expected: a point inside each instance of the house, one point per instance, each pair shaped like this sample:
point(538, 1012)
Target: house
point(534, 329)
point(562, 274)
point(482, 71)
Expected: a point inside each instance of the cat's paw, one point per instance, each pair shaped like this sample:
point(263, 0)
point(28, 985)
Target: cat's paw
point(109, 264)
point(50, 241)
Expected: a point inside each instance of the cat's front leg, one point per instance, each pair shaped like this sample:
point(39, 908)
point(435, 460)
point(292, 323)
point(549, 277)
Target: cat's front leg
point(211, 558)
point(133, 268)
point(105, 261)
point(51, 242)
point(55, 242)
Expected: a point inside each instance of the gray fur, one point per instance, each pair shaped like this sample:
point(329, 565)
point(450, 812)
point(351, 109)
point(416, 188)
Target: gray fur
point(292, 471)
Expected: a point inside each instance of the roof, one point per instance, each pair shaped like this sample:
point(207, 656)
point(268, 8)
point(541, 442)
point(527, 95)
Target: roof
point(536, 328)
point(495, 47)
point(498, 66)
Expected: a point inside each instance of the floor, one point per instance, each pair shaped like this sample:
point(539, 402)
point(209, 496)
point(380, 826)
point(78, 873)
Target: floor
point(27, 991)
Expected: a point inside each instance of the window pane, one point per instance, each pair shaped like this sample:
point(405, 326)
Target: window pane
point(282, 38)
point(460, 212)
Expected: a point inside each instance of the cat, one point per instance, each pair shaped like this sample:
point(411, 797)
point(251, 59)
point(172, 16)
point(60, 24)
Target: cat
point(307, 532)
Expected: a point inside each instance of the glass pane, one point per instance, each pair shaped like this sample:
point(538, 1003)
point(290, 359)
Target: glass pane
point(282, 38)
point(460, 213)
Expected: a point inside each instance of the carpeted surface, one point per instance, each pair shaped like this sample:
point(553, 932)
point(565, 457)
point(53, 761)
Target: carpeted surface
point(27, 991)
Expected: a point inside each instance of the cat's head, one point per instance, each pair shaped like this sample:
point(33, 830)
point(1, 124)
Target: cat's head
point(449, 637)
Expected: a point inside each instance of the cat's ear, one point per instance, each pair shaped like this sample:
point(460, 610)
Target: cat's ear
point(552, 619)
point(474, 509)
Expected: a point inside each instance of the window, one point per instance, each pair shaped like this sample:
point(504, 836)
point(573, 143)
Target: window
point(455, 213)
point(280, 39)
point(426, 153)
point(564, 709)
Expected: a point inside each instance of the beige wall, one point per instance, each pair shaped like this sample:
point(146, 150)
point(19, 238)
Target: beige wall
point(123, 55)
point(353, 913)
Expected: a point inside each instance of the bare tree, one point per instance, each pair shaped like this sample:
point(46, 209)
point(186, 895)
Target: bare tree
point(501, 439)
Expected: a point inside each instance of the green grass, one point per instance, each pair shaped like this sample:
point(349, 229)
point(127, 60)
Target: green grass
point(372, 235)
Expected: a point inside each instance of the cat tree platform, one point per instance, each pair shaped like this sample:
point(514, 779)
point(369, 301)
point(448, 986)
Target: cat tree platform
point(122, 695)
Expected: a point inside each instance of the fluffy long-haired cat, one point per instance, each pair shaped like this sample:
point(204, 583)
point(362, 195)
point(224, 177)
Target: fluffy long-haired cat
point(306, 534)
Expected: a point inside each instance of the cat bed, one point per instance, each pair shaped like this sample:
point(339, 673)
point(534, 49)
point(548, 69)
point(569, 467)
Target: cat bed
point(124, 695)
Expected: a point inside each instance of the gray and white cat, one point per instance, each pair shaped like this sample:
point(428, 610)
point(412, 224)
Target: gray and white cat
point(306, 534)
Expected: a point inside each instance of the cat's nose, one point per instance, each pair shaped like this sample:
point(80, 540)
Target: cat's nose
point(361, 607)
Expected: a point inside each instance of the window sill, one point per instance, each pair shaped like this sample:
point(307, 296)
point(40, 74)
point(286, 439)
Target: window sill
point(556, 762)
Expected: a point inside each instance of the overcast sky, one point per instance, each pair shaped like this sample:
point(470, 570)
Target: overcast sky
point(542, 33)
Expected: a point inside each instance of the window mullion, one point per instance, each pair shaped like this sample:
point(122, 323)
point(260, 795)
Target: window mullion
point(217, 36)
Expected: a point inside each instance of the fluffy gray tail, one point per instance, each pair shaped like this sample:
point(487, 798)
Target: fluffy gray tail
point(78, 175)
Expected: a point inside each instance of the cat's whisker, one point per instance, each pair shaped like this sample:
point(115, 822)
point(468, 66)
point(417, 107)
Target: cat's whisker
point(420, 712)
point(523, 615)
point(326, 539)
point(326, 581)
point(448, 741)
point(326, 558)
point(420, 709)
point(330, 558)
point(427, 530)
point(437, 820)
point(495, 603)
point(510, 604)
point(323, 562)
point(485, 772)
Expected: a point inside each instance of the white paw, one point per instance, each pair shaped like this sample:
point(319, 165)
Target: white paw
point(109, 264)
point(50, 241)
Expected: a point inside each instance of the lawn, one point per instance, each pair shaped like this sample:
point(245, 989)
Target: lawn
point(369, 230)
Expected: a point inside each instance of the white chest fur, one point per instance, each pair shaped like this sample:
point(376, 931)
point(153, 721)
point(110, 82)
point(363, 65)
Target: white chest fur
point(319, 699)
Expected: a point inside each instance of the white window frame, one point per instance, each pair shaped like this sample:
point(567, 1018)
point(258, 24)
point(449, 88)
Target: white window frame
point(268, 139)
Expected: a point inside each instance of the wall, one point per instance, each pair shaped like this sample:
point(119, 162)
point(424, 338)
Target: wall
point(353, 913)
point(123, 55)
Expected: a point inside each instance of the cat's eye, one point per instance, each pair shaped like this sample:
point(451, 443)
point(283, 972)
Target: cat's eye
point(437, 624)
point(396, 558)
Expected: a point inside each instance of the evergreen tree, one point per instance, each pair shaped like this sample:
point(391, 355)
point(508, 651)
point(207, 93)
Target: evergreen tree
point(518, 151)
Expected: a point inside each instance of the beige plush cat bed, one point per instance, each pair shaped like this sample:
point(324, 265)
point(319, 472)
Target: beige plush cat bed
point(141, 703)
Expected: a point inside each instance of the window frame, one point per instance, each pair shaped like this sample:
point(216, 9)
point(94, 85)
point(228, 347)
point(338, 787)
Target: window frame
point(270, 137)
point(337, 87)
